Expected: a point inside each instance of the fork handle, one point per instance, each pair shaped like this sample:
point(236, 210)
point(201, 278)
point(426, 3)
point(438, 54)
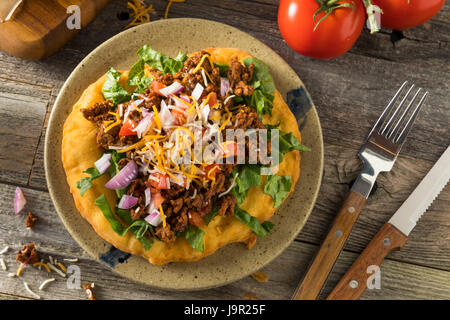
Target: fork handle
point(354, 282)
point(330, 249)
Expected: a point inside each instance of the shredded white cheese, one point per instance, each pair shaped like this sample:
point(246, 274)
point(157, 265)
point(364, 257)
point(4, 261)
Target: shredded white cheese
point(11, 275)
point(45, 283)
point(3, 264)
point(4, 250)
point(230, 97)
point(31, 292)
point(51, 266)
point(233, 183)
point(71, 260)
point(204, 78)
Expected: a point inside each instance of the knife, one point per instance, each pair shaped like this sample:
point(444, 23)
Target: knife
point(394, 234)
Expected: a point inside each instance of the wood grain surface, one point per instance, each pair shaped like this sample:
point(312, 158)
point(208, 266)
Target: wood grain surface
point(349, 93)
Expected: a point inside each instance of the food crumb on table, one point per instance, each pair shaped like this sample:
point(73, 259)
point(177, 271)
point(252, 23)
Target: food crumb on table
point(89, 288)
point(249, 296)
point(31, 220)
point(260, 276)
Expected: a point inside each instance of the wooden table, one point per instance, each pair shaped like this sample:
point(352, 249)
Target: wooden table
point(349, 93)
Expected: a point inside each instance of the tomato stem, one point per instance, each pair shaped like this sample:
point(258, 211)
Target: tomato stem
point(371, 10)
point(328, 6)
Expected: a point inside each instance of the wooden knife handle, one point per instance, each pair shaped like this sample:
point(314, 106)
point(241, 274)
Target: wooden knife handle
point(354, 282)
point(322, 264)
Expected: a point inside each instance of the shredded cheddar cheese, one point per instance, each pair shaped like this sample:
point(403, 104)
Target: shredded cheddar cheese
point(43, 265)
point(163, 217)
point(166, 14)
point(140, 12)
point(158, 122)
point(199, 65)
point(113, 125)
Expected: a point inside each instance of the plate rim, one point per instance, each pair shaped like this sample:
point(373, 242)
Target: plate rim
point(47, 160)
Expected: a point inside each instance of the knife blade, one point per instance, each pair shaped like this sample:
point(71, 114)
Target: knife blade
point(414, 207)
point(394, 234)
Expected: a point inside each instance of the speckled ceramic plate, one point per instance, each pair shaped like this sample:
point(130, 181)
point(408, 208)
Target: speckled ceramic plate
point(233, 261)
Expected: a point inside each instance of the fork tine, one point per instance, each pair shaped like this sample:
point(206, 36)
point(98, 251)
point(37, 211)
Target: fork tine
point(391, 135)
point(388, 125)
point(386, 111)
point(401, 138)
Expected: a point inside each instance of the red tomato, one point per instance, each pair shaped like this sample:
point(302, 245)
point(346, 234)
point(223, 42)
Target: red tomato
point(195, 219)
point(158, 180)
point(127, 128)
point(334, 36)
point(156, 85)
point(157, 200)
point(405, 14)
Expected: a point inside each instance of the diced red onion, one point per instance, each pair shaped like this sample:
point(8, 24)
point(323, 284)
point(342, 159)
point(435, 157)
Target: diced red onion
point(144, 125)
point(180, 179)
point(137, 103)
point(145, 111)
point(197, 93)
point(124, 177)
point(224, 86)
point(103, 163)
point(165, 116)
point(148, 196)
point(154, 218)
point(19, 200)
point(127, 202)
point(185, 98)
point(174, 88)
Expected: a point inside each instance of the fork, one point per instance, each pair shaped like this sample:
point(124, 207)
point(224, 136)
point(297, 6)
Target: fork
point(378, 154)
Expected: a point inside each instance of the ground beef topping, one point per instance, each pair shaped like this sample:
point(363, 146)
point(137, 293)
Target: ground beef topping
point(187, 204)
point(28, 254)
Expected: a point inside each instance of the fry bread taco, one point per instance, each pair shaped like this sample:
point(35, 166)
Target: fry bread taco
point(151, 166)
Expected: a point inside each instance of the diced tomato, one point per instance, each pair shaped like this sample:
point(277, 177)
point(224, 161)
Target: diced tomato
point(212, 99)
point(179, 116)
point(157, 200)
point(127, 128)
point(196, 219)
point(158, 180)
point(156, 86)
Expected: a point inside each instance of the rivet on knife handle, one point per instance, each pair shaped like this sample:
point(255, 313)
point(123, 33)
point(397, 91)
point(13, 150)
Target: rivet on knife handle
point(320, 268)
point(354, 282)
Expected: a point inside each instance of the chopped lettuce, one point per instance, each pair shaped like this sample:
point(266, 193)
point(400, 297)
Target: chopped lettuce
point(85, 183)
point(260, 229)
point(137, 227)
point(278, 188)
point(112, 90)
point(137, 77)
point(160, 61)
point(214, 212)
point(263, 95)
point(223, 68)
point(194, 236)
point(249, 176)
